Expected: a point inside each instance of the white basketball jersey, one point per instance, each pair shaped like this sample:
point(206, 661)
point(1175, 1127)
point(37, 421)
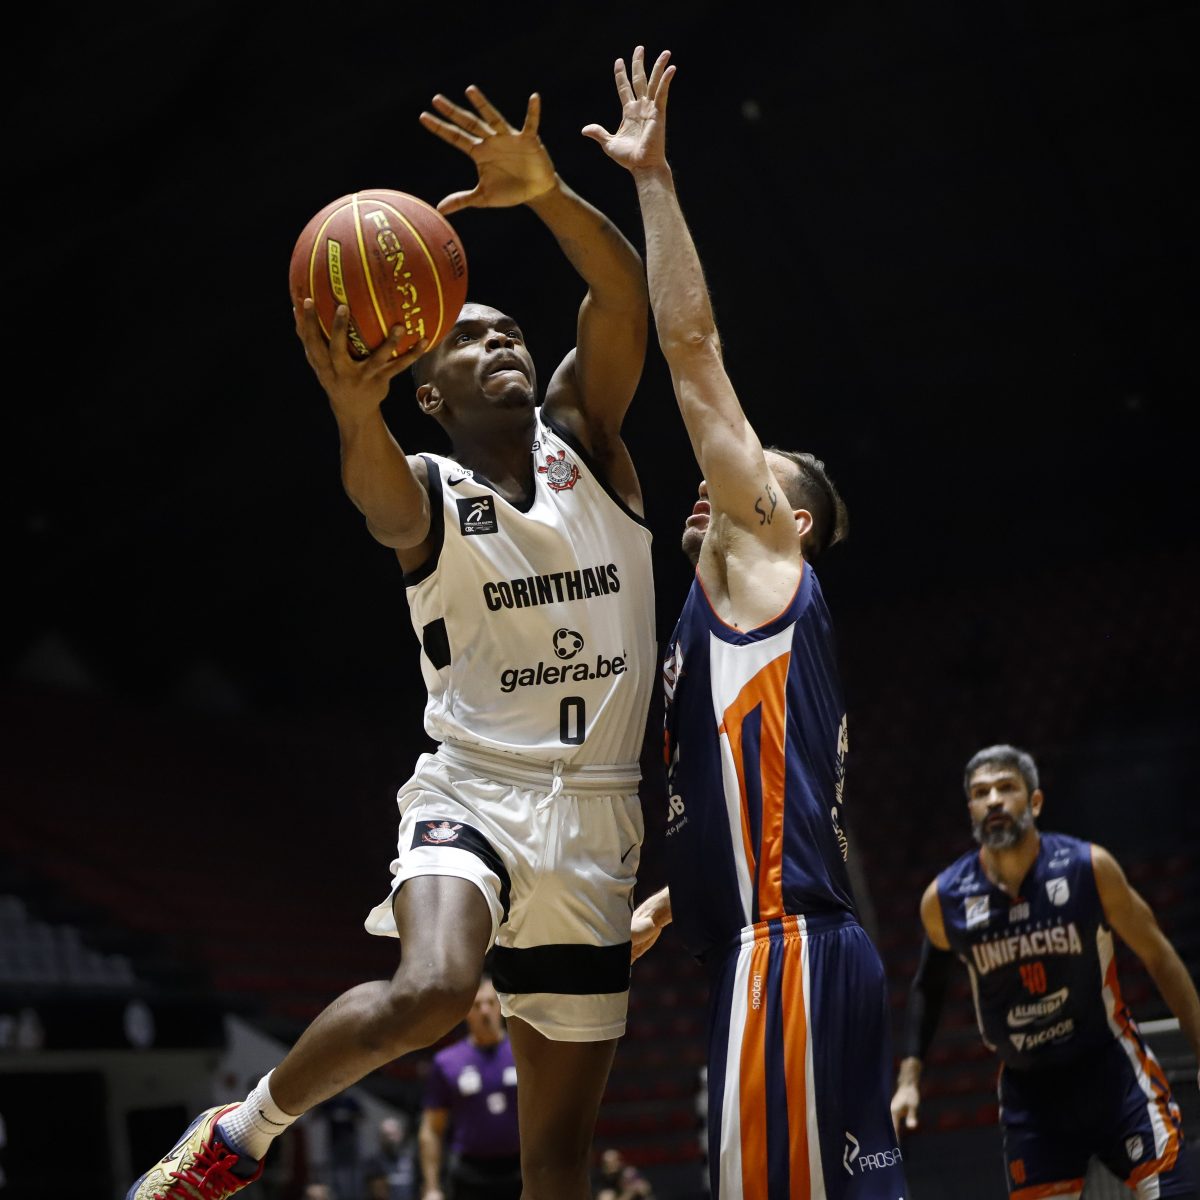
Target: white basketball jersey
point(536, 625)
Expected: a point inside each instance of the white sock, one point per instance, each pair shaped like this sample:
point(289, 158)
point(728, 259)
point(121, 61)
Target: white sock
point(256, 1122)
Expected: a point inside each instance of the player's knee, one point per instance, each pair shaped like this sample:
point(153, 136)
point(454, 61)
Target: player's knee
point(560, 1157)
point(422, 1006)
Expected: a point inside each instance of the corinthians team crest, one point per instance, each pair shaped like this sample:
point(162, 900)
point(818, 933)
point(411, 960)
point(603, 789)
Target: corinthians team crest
point(560, 472)
point(440, 832)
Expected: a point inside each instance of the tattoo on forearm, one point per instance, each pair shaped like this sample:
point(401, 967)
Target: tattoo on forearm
point(766, 515)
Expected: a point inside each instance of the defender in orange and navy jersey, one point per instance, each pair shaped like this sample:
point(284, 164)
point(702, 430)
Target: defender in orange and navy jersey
point(799, 1055)
point(756, 745)
point(799, 1058)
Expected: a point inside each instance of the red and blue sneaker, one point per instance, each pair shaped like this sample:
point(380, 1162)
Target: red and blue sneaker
point(200, 1166)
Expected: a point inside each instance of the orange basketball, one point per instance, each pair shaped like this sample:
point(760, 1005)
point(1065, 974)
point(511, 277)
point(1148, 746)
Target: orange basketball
point(392, 258)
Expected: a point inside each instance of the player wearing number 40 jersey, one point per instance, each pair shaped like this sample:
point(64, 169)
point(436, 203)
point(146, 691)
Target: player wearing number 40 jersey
point(799, 1060)
point(527, 567)
point(1032, 917)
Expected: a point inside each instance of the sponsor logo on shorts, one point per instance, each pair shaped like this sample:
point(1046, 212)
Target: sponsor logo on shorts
point(1059, 891)
point(1031, 1041)
point(438, 833)
point(756, 991)
point(1134, 1147)
point(477, 514)
point(878, 1160)
point(975, 910)
point(547, 674)
point(1039, 1010)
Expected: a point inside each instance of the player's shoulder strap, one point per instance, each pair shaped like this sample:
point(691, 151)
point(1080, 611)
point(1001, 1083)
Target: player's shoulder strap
point(437, 520)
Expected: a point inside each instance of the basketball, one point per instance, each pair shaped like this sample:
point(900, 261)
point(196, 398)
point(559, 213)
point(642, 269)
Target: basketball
point(391, 258)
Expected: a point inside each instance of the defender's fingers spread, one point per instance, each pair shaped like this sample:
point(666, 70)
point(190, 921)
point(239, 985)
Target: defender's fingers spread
point(660, 65)
point(639, 70)
point(660, 98)
point(596, 132)
point(624, 90)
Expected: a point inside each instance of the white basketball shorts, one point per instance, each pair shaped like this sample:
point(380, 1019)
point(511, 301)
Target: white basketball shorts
point(555, 854)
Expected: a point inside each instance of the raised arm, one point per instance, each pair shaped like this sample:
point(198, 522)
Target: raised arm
point(592, 388)
point(1135, 923)
point(378, 477)
point(742, 489)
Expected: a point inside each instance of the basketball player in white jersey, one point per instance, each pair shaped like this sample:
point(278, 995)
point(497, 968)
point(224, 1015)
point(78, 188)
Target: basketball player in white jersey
point(527, 568)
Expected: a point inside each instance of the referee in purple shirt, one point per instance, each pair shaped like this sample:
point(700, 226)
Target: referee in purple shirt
point(471, 1095)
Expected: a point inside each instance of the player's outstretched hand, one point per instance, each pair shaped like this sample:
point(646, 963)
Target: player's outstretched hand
point(513, 165)
point(640, 142)
point(905, 1103)
point(353, 385)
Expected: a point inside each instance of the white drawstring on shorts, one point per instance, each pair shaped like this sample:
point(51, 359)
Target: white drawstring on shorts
point(557, 786)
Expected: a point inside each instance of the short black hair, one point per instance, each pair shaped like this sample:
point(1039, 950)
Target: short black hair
point(809, 487)
point(1002, 755)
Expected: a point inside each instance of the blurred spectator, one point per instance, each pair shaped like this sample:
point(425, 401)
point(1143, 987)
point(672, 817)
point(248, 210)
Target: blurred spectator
point(471, 1095)
point(319, 1191)
point(392, 1172)
point(620, 1180)
point(344, 1114)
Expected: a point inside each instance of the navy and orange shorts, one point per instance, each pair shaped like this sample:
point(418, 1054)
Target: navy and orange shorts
point(1113, 1103)
point(800, 1066)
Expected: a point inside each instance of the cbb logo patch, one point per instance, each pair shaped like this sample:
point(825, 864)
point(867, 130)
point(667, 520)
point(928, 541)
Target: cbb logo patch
point(477, 514)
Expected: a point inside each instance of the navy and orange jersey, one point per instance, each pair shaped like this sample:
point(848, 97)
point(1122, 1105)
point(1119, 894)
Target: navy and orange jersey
point(755, 746)
point(1042, 969)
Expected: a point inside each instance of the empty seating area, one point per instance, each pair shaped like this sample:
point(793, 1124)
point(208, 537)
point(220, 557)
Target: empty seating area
point(38, 954)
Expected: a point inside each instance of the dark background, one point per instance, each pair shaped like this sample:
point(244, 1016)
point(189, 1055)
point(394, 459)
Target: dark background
point(952, 249)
